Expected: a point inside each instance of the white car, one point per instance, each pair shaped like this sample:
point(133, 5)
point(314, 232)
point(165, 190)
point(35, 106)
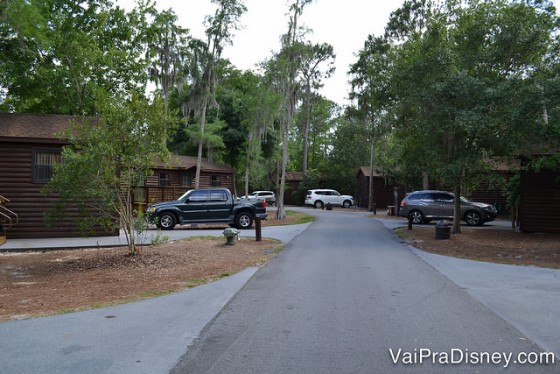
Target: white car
point(320, 197)
point(268, 196)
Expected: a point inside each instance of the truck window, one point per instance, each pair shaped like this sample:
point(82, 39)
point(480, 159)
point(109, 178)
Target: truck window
point(218, 196)
point(198, 196)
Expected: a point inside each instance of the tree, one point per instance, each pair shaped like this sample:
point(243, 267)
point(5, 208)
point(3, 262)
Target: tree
point(313, 56)
point(108, 156)
point(289, 60)
point(370, 89)
point(55, 54)
point(203, 88)
point(463, 86)
point(166, 48)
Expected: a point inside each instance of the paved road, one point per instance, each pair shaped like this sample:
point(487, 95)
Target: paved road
point(346, 297)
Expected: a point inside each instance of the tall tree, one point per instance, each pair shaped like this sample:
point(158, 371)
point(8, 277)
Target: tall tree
point(290, 56)
point(312, 75)
point(166, 49)
point(371, 91)
point(203, 91)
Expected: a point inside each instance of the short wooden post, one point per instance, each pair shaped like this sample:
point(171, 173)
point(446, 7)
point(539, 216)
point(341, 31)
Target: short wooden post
point(410, 221)
point(258, 229)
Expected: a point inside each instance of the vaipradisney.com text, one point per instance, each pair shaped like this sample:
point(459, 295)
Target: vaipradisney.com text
point(457, 356)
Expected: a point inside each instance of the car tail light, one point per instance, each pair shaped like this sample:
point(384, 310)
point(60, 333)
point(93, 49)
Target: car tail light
point(403, 203)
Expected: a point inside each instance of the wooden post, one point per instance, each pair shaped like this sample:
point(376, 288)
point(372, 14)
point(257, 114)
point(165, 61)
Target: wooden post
point(410, 221)
point(258, 229)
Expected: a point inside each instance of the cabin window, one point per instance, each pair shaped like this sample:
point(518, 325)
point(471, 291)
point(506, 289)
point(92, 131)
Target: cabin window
point(164, 179)
point(216, 181)
point(186, 180)
point(44, 161)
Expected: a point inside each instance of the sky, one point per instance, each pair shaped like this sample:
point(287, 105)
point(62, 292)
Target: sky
point(344, 24)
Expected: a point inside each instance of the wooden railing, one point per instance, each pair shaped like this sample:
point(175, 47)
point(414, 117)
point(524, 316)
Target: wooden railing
point(148, 195)
point(7, 219)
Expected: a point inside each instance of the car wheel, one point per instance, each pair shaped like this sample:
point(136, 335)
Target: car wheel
point(473, 218)
point(167, 221)
point(244, 220)
point(318, 204)
point(417, 217)
point(346, 204)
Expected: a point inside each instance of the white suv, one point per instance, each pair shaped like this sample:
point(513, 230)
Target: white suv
point(318, 198)
point(268, 196)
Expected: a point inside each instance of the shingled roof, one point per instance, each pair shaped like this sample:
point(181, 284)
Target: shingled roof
point(18, 127)
point(178, 162)
point(38, 127)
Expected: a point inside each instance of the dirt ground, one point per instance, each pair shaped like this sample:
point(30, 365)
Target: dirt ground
point(57, 281)
point(492, 245)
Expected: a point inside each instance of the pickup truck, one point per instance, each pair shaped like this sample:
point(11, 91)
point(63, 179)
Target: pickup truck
point(206, 205)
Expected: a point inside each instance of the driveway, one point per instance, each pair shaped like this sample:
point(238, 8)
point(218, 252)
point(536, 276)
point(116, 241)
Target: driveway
point(347, 297)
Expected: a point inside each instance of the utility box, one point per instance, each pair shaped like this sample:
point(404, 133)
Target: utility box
point(231, 234)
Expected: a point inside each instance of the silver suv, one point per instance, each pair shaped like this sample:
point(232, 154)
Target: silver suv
point(424, 206)
point(318, 198)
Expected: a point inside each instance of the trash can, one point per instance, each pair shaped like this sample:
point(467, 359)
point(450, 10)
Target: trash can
point(443, 230)
point(329, 206)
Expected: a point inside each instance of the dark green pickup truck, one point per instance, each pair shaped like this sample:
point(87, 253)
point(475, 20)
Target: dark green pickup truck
point(207, 205)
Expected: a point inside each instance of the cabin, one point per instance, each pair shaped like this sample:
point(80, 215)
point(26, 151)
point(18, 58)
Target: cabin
point(539, 202)
point(30, 144)
point(384, 190)
point(292, 194)
point(172, 179)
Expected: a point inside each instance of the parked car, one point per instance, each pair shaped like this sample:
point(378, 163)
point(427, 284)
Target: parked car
point(207, 205)
point(267, 196)
point(426, 205)
point(319, 197)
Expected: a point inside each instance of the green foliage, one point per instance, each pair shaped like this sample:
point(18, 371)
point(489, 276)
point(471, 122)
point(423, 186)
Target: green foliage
point(57, 53)
point(468, 82)
point(108, 156)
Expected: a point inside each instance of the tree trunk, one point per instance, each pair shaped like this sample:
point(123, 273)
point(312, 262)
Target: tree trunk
point(425, 181)
point(306, 126)
point(202, 122)
point(370, 187)
point(457, 208)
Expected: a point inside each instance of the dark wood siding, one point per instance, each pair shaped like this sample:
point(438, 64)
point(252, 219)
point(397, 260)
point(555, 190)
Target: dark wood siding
point(26, 198)
point(540, 202)
point(383, 193)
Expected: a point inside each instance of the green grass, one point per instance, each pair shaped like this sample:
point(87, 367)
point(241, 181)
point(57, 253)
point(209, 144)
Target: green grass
point(299, 217)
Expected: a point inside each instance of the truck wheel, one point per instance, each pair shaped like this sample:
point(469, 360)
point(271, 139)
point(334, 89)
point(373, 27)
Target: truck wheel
point(244, 220)
point(166, 221)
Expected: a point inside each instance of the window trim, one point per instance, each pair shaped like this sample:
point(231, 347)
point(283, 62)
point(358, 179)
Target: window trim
point(47, 171)
point(216, 180)
point(167, 179)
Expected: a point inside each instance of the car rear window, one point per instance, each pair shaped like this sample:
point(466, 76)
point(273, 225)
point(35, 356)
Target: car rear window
point(421, 196)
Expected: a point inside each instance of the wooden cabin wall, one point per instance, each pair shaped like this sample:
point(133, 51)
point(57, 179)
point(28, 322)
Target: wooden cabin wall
point(26, 198)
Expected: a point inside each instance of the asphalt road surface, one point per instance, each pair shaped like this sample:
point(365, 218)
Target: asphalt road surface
point(346, 297)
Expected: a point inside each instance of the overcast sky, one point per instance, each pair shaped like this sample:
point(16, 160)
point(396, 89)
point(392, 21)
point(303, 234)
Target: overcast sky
point(345, 24)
